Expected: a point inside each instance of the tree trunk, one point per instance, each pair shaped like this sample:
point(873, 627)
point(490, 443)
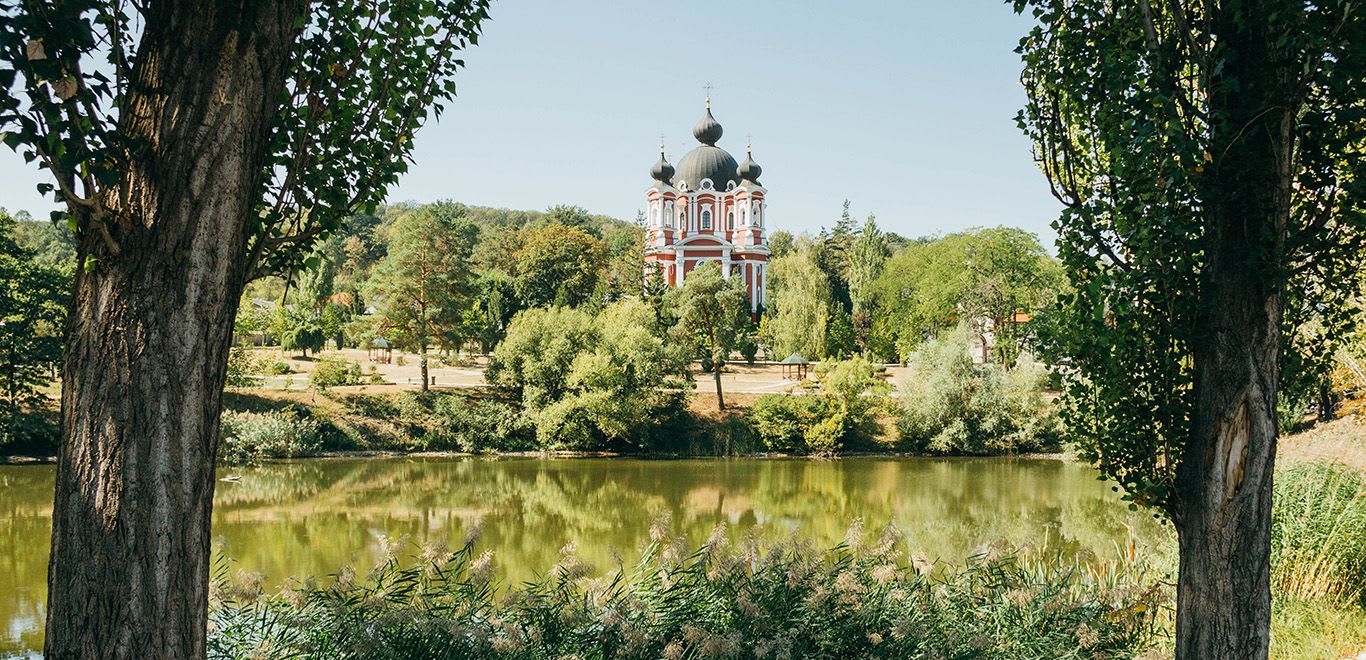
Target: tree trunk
point(1223, 510)
point(149, 330)
point(716, 377)
point(422, 365)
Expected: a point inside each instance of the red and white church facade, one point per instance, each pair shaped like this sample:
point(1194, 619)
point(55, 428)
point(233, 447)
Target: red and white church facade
point(709, 208)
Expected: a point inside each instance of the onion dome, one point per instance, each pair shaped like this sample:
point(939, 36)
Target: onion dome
point(708, 130)
point(749, 170)
point(707, 161)
point(662, 171)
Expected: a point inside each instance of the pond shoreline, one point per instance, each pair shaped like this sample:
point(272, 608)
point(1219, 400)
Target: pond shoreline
point(389, 453)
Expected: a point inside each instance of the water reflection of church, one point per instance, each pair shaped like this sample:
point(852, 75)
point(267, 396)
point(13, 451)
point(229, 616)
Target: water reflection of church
point(708, 209)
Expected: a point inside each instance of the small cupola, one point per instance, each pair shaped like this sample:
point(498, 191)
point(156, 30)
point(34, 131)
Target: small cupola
point(749, 170)
point(662, 171)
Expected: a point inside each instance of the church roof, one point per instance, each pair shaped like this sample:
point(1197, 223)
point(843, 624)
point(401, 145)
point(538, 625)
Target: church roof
point(706, 162)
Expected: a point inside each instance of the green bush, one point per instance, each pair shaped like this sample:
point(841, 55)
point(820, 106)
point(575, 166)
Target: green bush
point(723, 601)
point(335, 372)
point(244, 368)
point(781, 420)
point(841, 415)
point(951, 406)
point(247, 437)
point(474, 425)
point(446, 421)
point(589, 381)
point(278, 368)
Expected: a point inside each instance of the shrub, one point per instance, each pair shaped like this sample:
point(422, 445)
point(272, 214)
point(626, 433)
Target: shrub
point(248, 438)
point(781, 420)
point(278, 368)
point(844, 412)
point(474, 425)
point(335, 372)
point(589, 381)
point(951, 406)
point(788, 600)
point(244, 368)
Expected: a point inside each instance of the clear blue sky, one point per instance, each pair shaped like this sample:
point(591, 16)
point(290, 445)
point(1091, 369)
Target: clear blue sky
point(905, 107)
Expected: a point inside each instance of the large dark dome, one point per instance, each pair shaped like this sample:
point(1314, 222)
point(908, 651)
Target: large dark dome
point(706, 162)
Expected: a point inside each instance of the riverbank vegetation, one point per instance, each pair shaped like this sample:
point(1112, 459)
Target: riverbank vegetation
point(788, 600)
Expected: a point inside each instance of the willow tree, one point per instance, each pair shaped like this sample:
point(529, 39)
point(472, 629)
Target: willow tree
point(195, 145)
point(1208, 155)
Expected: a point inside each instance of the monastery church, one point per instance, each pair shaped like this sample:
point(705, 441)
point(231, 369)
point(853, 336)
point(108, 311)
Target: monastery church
point(709, 208)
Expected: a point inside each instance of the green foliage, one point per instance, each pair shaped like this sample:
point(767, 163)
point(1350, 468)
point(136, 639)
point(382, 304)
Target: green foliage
point(788, 600)
point(248, 437)
point(51, 243)
point(1318, 539)
point(438, 421)
point(478, 424)
point(557, 265)
point(799, 306)
point(32, 317)
point(781, 420)
point(244, 368)
point(713, 313)
point(981, 277)
point(589, 382)
point(301, 331)
point(535, 358)
point(951, 406)
point(424, 284)
point(335, 372)
point(68, 72)
point(866, 258)
point(842, 415)
point(781, 243)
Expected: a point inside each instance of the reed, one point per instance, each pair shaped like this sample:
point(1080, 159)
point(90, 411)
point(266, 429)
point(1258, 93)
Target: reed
point(746, 600)
point(1318, 539)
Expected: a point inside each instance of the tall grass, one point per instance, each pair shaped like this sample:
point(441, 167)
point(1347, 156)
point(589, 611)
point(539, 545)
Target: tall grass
point(788, 600)
point(1318, 538)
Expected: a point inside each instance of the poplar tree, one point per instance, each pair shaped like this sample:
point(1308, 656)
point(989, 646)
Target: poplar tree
point(1208, 155)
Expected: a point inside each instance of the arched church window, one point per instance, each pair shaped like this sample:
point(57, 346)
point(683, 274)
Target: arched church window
point(706, 184)
point(744, 215)
point(758, 216)
point(706, 218)
point(730, 220)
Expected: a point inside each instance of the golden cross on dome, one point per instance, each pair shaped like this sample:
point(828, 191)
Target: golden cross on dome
point(661, 144)
point(708, 88)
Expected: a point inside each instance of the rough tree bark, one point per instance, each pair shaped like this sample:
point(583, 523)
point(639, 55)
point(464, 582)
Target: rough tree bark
point(1223, 514)
point(149, 332)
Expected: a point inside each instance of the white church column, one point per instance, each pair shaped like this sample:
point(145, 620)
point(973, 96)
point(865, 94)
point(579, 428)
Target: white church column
point(678, 267)
point(725, 263)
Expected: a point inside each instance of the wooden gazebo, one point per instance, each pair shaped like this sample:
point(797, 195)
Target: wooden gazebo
point(795, 365)
point(380, 350)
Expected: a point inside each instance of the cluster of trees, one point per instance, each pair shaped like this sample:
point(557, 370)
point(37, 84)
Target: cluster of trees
point(442, 276)
point(35, 276)
point(859, 290)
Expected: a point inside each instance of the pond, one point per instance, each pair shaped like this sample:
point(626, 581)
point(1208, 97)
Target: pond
point(311, 517)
